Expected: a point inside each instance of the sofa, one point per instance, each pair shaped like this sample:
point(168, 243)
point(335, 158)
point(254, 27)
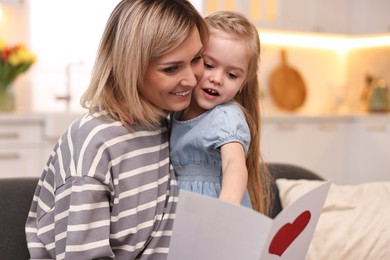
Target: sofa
point(286, 171)
point(289, 182)
point(16, 195)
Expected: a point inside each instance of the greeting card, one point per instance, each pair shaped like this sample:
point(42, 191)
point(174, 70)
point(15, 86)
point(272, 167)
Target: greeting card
point(208, 228)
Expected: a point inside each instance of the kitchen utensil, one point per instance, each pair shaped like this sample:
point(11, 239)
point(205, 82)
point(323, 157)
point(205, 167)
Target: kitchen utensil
point(378, 99)
point(287, 87)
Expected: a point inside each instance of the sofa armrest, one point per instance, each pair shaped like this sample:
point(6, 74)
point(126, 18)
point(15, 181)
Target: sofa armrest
point(16, 195)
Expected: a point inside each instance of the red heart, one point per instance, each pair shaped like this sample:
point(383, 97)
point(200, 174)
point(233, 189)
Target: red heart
point(288, 233)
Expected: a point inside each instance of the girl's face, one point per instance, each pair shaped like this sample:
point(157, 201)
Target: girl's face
point(226, 66)
point(170, 79)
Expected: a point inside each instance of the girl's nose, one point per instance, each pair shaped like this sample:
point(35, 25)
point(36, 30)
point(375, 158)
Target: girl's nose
point(216, 78)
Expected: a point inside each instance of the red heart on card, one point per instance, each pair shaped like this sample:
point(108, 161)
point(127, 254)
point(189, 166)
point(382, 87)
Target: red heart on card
point(288, 233)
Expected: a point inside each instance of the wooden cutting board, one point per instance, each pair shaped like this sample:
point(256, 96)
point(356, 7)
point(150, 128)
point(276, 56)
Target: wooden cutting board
point(287, 87)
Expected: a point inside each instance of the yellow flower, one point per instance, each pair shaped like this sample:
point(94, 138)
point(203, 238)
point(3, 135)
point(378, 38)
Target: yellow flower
point(2, 45)
point(21, 56)
point(14, 60)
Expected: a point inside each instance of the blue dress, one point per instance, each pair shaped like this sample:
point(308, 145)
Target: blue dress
point(195, 147)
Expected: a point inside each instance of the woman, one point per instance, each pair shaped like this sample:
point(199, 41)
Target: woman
point(108, 190)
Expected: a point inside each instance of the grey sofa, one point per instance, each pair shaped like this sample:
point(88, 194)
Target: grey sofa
point(15, 200)
point(16, 195)
point(286, 171)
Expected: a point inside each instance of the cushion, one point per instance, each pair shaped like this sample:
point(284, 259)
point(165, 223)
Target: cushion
point(354, 223)
point(286, 171)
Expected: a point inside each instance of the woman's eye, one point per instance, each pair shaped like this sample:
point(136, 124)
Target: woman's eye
point(197, 59)
point(170, 70)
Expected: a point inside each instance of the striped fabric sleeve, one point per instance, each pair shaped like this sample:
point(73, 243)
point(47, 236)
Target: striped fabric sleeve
point(79, 221)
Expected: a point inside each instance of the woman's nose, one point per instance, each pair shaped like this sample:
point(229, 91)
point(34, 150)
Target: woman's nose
point(193, 75)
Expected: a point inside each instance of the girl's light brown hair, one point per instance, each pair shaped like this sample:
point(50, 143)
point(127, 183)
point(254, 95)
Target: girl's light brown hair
point(137, 32)
point(248, 97)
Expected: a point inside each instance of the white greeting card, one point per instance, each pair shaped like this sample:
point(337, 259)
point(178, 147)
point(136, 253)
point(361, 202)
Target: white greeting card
point(208, 228)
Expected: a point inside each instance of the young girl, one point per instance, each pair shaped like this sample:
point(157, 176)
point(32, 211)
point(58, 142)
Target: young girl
point(215, 141)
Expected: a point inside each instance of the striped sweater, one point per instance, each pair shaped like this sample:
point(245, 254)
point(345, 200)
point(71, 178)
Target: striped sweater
point(105, 193)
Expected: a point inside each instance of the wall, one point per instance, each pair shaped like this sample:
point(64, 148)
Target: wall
point(334, 72)
point(323, 71)
point(66, 40)
point(62, 38)
point(65, 36)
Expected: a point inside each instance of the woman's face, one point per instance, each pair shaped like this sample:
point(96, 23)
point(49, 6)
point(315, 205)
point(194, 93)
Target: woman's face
point(169, 80)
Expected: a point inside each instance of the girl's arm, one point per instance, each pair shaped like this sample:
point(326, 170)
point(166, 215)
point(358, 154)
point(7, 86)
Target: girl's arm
point(234, 172)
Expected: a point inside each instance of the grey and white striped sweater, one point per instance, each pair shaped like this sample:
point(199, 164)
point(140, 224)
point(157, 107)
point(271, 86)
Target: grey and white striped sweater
point(105, 193)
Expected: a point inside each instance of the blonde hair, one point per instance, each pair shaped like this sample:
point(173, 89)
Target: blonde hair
point(248, 97)
point(137, 32)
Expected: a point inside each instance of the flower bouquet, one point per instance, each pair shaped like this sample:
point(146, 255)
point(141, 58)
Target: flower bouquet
point(14, 60)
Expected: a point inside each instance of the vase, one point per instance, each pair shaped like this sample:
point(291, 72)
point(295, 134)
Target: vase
point(7, 99)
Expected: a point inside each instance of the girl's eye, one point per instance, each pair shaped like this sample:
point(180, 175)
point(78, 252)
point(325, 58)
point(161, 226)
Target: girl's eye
point(208, 66)
point(170, 70)
point(232, 75)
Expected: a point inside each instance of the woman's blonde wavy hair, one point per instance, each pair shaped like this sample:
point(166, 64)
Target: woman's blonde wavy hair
point(248, 97)
point(137, 32)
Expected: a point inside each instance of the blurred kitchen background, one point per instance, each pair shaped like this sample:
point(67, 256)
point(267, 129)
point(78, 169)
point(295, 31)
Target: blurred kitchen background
point(314, 112)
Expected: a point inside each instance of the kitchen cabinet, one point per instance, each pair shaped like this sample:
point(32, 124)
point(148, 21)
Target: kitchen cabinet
point(26, 141)
point(314, 16)
point(318, 144)
point(340, 17)
point(344, 149)
point(20, 147)
point(368, 17)
point(369, 151)
point(12, 2)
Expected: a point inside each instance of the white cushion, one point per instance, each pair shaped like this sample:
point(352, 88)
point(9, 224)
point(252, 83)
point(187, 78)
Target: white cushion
point(354, 223)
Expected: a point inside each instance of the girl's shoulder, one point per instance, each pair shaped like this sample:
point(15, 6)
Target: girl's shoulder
point(230, 110)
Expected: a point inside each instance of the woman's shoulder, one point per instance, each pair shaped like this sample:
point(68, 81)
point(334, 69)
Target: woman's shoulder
point(95, 124)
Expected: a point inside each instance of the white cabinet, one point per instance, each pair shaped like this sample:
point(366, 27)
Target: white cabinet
point(370, 149)
point(341, 16)
point(369, 16)
point(325, 145)
point(282, 142)
point(26, 141)
point(345, 149)
point(20, 147)
point(319, 145)
point(337, 16)
point(12, 2)
point(314, 16)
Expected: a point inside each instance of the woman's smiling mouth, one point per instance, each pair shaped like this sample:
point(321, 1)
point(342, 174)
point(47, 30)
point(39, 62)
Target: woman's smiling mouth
point(182, 94)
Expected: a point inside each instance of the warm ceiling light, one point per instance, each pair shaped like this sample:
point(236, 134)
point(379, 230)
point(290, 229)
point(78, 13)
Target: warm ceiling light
point(341, 43)
point(370, 41)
